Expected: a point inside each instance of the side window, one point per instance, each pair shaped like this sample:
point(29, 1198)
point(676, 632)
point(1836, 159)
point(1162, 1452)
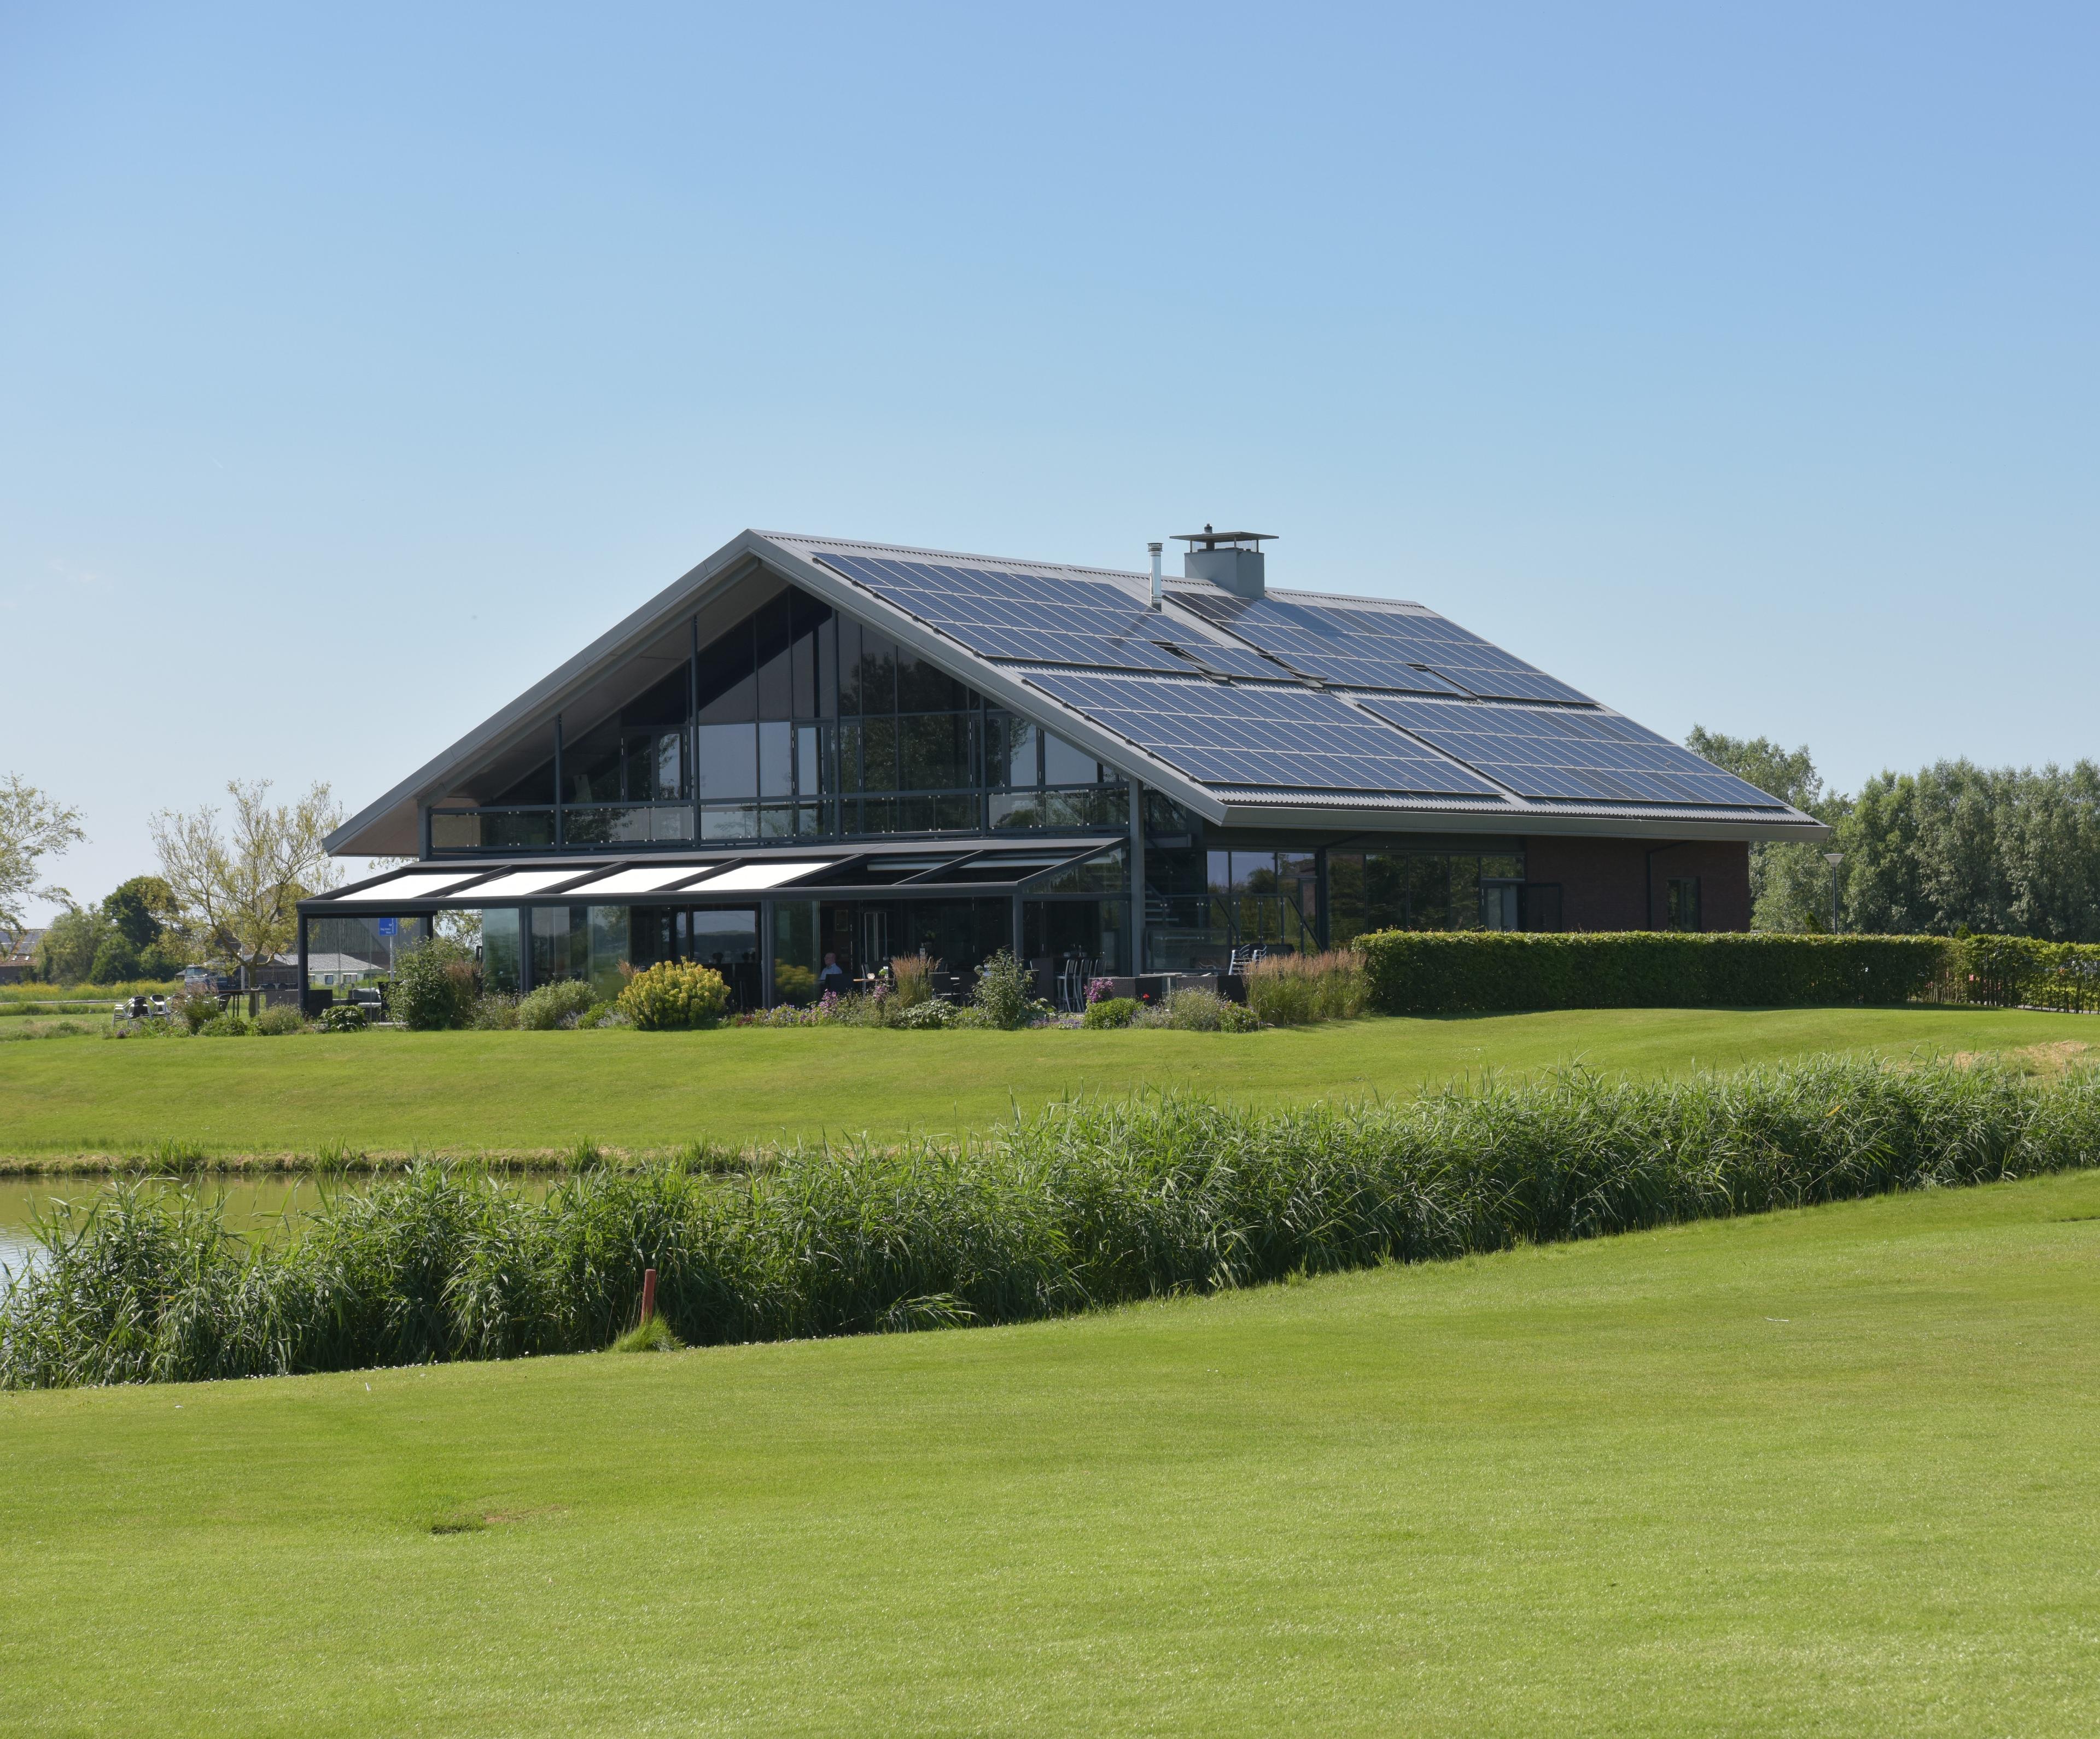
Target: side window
point(1684, 903)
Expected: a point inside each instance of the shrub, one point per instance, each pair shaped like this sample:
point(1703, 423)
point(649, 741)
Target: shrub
point(284, 1018)
point(1427, 972)
point(193, 1009)
point(493, 1012)
point(1289, 990)
point(1003, 991)
point(436, 986)
point(1085, 1205)
point(674, 994)
point(227, 1026)
point(343, 1016)
point(926, 1016)
point(1195, 1010)
point(556, 1004)
point(1110, 1011)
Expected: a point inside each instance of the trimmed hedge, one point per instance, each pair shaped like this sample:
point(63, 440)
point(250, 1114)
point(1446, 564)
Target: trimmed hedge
point(2020, 971)
point(1466, 971)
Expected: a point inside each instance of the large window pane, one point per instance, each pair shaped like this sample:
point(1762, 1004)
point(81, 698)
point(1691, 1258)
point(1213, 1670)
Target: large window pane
point(610, 950)
point(729, 820)
point(878, 673)
point(922, 687)
point(1428, 893)
point(728, 676)
point(878, 753)
point(501, 943)
point(1063, 764)
point(848, 656)
point(729, 761)
point(794, 951)
point(939, 751)
point(1014, 753)
point(813, 760)
point(776, 639)
point(776, 761)
point(1466, 913)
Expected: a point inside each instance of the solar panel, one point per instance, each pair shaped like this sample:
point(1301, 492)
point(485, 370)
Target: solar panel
point(1361, 647)
point(1042, 618)
point(1580, 756)
point(1271, 735)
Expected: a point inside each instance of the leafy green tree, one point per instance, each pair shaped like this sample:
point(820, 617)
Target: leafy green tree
point(33, 826)
point(116, 960)
point(140, 909)
point(1952, 848)
point(66, 952)
point(1789, 884)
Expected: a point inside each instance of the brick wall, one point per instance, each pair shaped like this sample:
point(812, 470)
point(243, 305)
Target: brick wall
point(1615, 884)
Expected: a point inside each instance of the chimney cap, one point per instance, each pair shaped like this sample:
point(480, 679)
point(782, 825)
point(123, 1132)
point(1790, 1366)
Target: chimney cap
point(1211, 540)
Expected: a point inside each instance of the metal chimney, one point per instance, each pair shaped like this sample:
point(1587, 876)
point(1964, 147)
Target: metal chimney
point(1158, 589)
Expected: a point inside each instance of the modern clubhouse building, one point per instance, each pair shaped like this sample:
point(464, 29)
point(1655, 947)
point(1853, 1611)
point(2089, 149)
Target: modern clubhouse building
point(808, 745)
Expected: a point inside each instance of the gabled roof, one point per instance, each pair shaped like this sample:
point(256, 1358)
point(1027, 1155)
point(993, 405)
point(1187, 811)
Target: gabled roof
point(1300, 708)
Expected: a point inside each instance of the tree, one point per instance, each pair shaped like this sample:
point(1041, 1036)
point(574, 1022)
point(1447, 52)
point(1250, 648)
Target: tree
point(140, 909)
point(31, 826)
point(236, 892)
point(1789, 884)
point(66, 952)
point(1953, 847)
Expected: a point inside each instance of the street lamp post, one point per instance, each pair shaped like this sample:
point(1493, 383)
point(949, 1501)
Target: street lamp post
point(1833, 859)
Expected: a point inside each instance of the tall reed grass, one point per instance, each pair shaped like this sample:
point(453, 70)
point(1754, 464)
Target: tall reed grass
point(1293, 990)
point(1085, 1205)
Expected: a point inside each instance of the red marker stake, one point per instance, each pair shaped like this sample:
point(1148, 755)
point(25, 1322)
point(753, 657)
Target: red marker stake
point(648, 1294)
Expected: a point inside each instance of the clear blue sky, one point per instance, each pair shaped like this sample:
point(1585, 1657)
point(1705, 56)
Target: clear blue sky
point(356, 368)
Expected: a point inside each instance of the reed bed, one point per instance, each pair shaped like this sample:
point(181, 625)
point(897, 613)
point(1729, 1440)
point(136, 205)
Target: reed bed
point(1084, 1206)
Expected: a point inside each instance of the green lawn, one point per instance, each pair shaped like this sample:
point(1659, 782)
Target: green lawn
point(533, 1090)
point(1815, 1473)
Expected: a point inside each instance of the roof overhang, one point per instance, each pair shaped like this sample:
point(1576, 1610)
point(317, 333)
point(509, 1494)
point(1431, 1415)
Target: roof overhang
point(1371, 818)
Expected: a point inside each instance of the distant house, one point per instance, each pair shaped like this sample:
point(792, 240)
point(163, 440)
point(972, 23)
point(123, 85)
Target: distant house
point(326, 971)
point(15, 964)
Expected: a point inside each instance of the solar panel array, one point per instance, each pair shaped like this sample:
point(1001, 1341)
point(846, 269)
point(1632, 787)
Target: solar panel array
point(1269, 735)
point(1047, 619)
point(1367, 648)
point(1270, 726)
point(1564, 752)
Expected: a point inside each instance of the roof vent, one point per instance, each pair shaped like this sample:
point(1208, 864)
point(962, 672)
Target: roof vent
point(1231, 561)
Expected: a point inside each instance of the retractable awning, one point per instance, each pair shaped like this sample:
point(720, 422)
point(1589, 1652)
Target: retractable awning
point(964, 870)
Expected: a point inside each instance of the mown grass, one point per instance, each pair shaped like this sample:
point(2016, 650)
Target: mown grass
point(541, 1093)
point(1816, 1473)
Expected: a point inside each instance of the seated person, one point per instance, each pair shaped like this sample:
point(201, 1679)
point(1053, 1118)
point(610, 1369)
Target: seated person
point(833, 977)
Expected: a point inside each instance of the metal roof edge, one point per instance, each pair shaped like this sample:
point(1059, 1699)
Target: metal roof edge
point(1526, 821)
point(616, 641)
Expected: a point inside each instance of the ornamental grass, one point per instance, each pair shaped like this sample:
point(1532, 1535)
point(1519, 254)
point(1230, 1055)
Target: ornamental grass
point(1084, 1206)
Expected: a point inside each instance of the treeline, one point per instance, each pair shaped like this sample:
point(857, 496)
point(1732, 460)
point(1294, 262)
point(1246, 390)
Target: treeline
point(1952, 848)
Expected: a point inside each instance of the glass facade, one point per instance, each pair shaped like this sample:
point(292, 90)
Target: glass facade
point(795, 724)
point(1422, 890)
point(341, 951)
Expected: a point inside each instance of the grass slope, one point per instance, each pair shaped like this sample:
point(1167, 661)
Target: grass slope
point(532, 1090)
point(1815, 1473)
